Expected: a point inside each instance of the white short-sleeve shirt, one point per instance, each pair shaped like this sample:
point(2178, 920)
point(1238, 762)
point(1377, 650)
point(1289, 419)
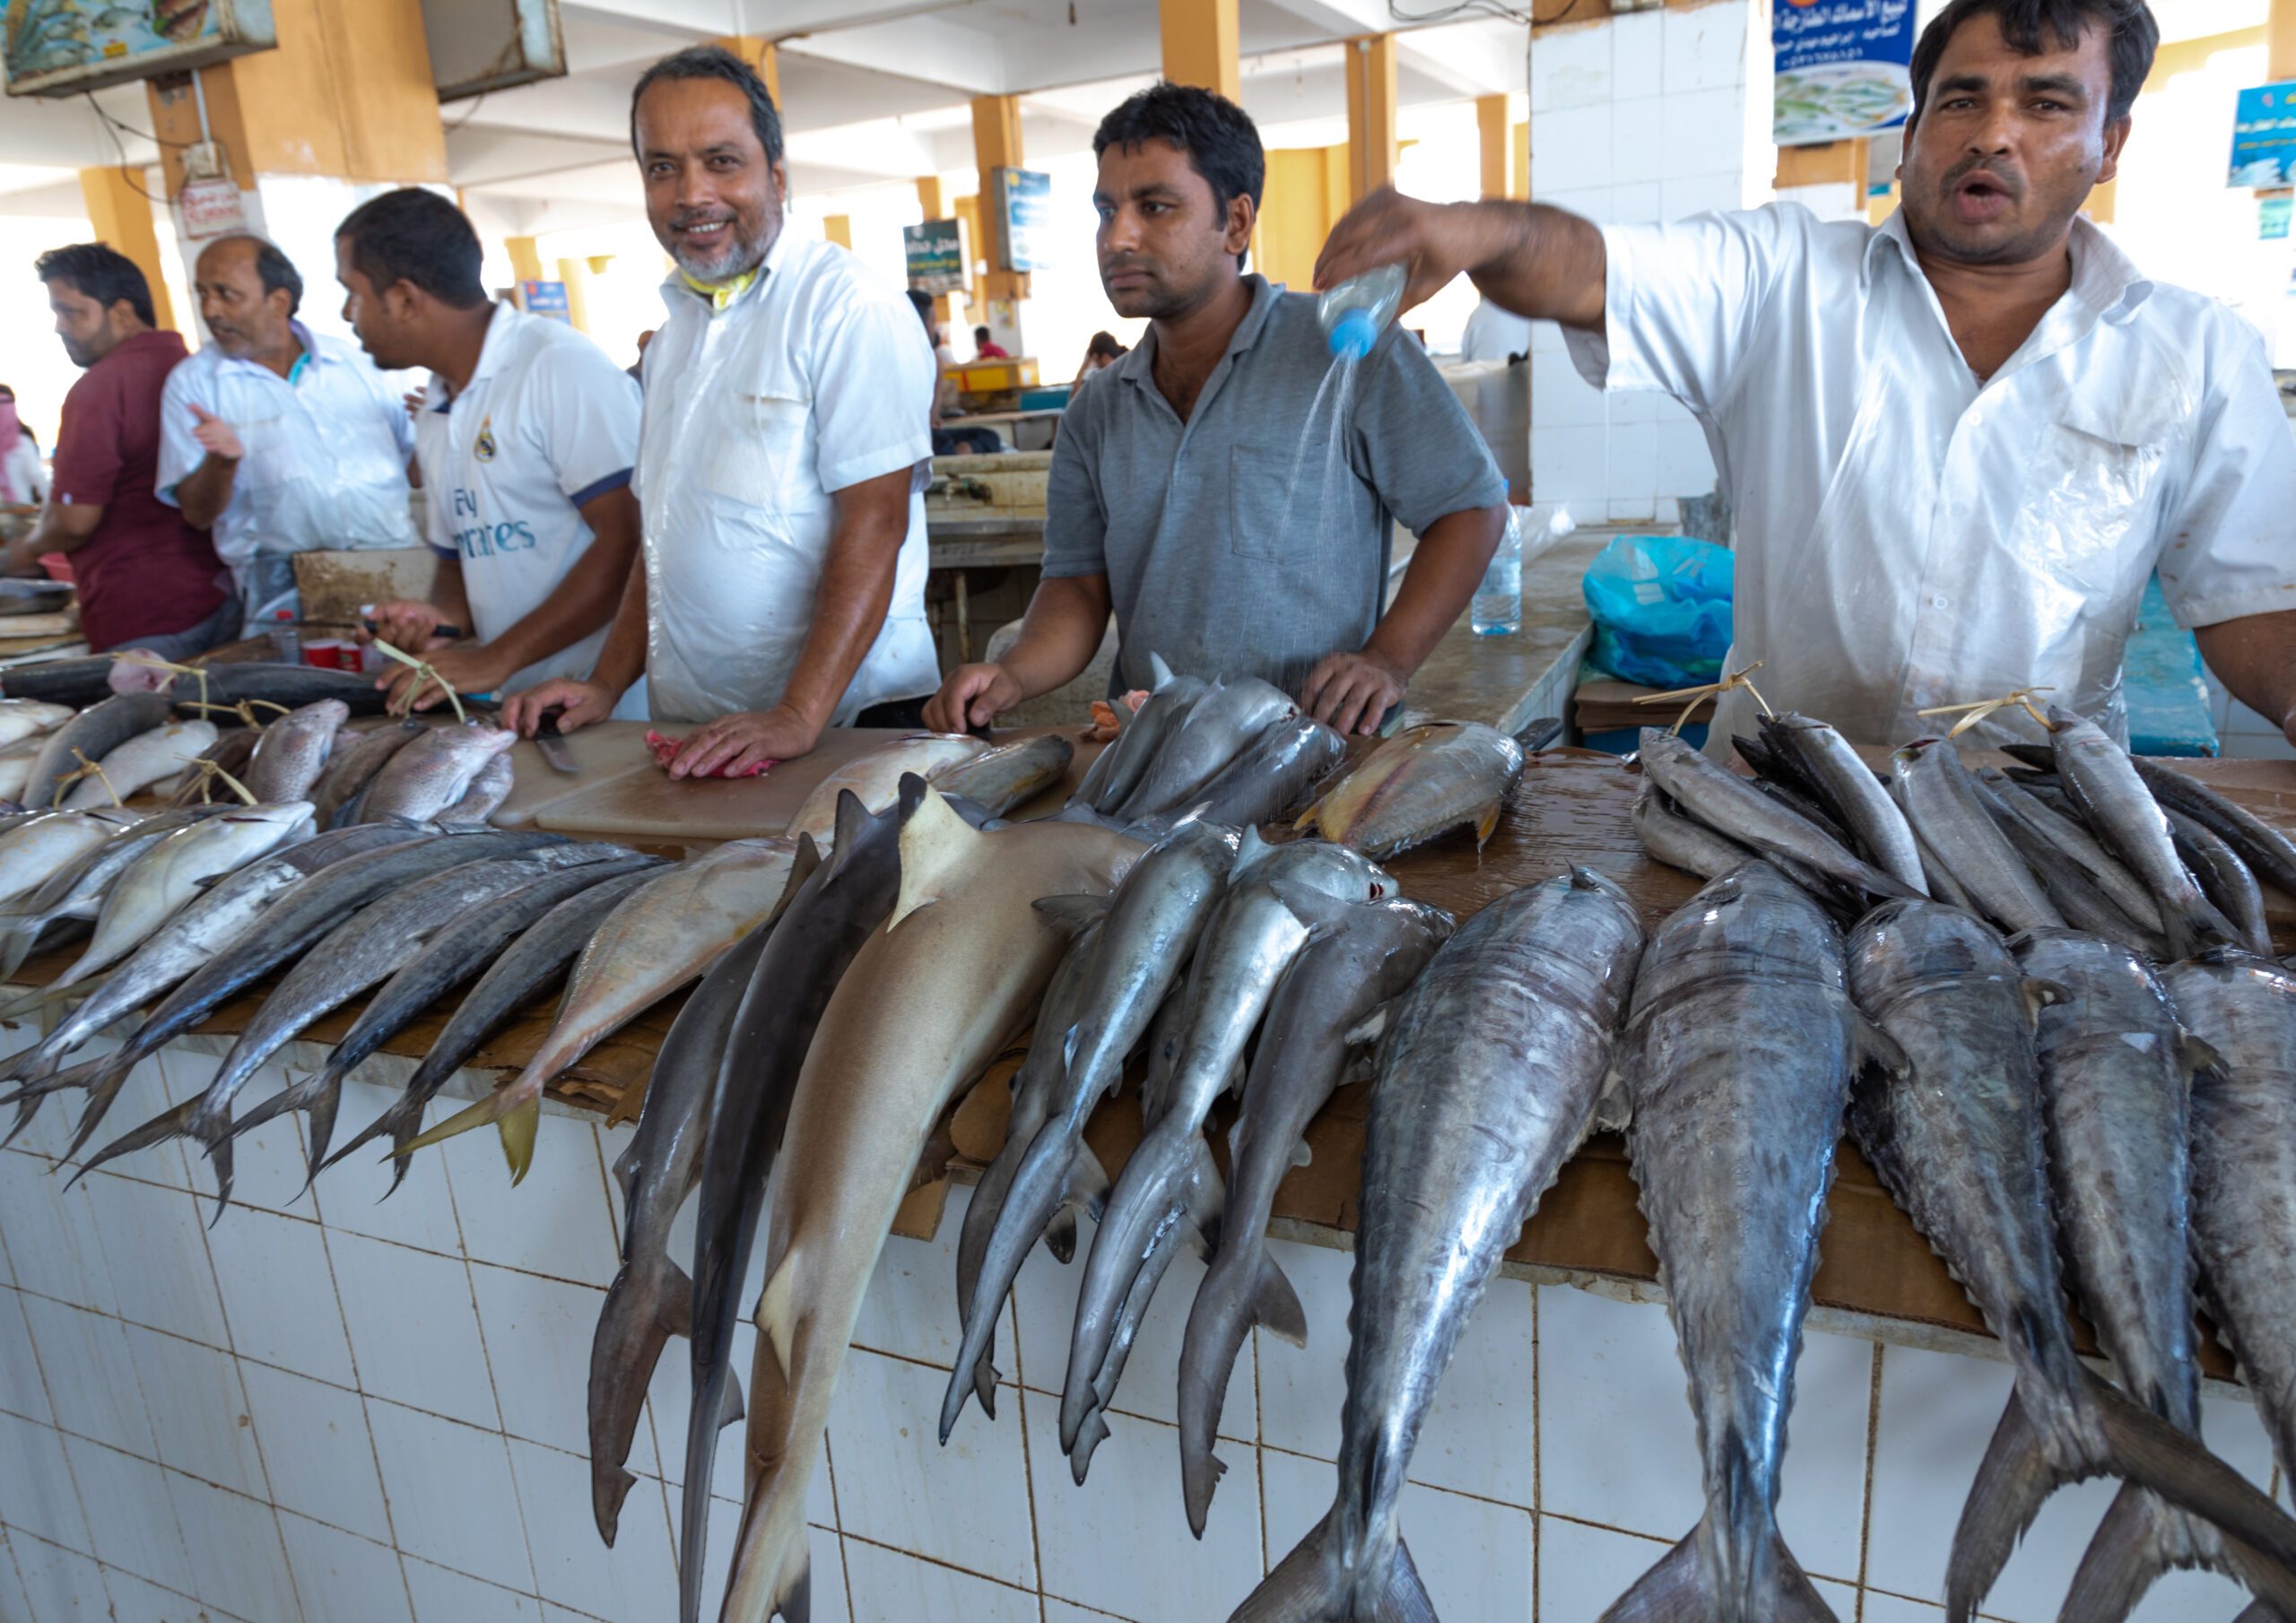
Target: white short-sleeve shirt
point(1910, 537)
point(325, 450)
point(546, 423)
point(814, 377)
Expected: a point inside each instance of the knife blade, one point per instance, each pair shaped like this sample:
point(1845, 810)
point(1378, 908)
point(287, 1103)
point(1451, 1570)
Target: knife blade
point(552, 744)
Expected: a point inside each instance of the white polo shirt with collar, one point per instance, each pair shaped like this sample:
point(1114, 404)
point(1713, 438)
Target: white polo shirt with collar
point(1910, 535)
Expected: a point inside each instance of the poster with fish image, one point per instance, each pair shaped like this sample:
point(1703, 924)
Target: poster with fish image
point(61, 48)
point(1843, 69)
point(2263, 138)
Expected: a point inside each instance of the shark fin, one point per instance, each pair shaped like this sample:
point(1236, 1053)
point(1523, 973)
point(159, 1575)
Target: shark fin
point(935, 844)
point(777, 1315)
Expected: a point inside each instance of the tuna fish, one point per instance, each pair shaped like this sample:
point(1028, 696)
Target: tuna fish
point(2268, 851)
point(1941, 801)
point(1488, 1078)
point(2071, 836)
point(1849, 788)
point(2224, 879)
point(1423, 782)
point(291, 752)
point(2113, 800)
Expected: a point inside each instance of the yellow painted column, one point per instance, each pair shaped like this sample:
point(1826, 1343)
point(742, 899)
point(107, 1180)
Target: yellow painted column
point(1494, 140)
point(121, 215)
point(576, 274)
point(1202, 45)
point(928, 198)
point(996, 144)
point(2280, 40)
point(1371, 71)
point(838, 228)
point(967, 211)
point(760, 54)
point(1519, 176)
point(525, 258)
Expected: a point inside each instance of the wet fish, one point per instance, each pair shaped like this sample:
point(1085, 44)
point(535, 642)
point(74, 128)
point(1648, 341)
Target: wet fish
point(2224, 879)
point(2116, 1070)
point(1883, 836)
point(32, 851)
point(2070, 835)
point(664, 935)
point(2113, 800)
point(229, 753)
point(1488, 1074)
point(1737, 1060)
point(1270, 776)
point(1218, 728)
point(93, 734)
point(527, 964)
point(23, 718)
point(875, 776)
point(157, 757)
point(70, 683)
point(833, 911)
point(431, 772)
point(651, 1298)
point(1940, 799)
point(291, 752)
point(348, 771)
point(1009, 774)
point(1145, 942)
point(2268, 851)
point(1666, 836)
point(923, 1009)
point(16, 767)
point(1728, 805)
point(488, 790)
point(1423, 782)
point(1304, 1050)
point(1118, 770)
point(75, 892)
point(289, 687)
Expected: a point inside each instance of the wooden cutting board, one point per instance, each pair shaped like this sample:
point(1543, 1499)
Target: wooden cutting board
point(602, 753)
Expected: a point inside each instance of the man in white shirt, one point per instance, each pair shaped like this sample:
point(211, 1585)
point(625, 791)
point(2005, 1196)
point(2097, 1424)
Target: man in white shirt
point(1958, 444)
point(274, 439)
point(526, 437)
point(785, 448)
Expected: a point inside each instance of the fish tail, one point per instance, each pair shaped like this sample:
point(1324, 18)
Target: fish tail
point(1676, 1591)
point(644, 1307)
point(16, 946)
point(1311, 1585)
point(35, 1000)
point(2140, 1539)
point(1216, 1327)
point(1060, 1236)
point(497, 1107)
point(788, 1595)
point(2014, 1480)
point(103, 1078)
point(1028, 1203)
point(173, 1122)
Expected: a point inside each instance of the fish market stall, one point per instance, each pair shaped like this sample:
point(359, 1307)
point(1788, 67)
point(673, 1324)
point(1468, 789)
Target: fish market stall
point(330, 1404)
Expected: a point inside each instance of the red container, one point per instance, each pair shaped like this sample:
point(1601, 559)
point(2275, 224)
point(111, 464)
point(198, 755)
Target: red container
point(59, 565)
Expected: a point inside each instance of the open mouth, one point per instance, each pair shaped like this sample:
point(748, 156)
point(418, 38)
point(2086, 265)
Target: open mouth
point(703, 233)
point(1981, 198)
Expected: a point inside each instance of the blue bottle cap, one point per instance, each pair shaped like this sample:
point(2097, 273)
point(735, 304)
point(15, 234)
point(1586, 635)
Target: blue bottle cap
point(1353, 334)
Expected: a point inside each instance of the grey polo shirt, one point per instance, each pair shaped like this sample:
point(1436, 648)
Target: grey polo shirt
point(1213, 560)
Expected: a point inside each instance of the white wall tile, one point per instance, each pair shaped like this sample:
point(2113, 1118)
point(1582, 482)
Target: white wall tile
point(1821, 1501)
point(442, 1596)
point(22, 1391)
point(1618, 1444)
point(37, 1491)
point(1683, 464)
point(1633, 462)
point(135, 1602)
point(891, 1587)
point(1638, 54)
point(90, 1375)
point(1120, 1543)
point(669, 1402)
point(315, 1444)
point(554, 1223)
point(1474, 1557)
point(50, 1234)
point(61, 1586)
point(1937, 1413)
point(1704, 121)
point(421, 1213)
point(1641, 510)
point(451, 1496)
point(342, 1578)
point(1062, 1611)
point(1638, 141)
point(414, 1330)
point(134, 1524)
point(911, 1308)
point(1570, 66)
point(1706, 46)
point(1302, 1390)
point(966, 1504)
point(635, 1581)
point(237, 1559)
point(1561, 397)
point(1582, 1569)
point(1569, 464)
point(155, 1247)
point(1840, 1597)
point(1681, 196)
point(279, 1295)
point(1570, 149)
point(1589, 202)
point(1638, 202)
point(142, 1095)
point(538, 1333)
point(199, 1411)
point(1881, 1608)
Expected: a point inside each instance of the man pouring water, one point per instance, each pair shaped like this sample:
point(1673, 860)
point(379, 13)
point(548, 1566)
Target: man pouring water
point(1228, 487)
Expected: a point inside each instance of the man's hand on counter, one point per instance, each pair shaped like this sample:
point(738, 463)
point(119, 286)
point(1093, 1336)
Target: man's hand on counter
point(579, 703)
point(732, 745)
point(1352, 692)
point(408, 625)
point(471, 670)
point(971, 696)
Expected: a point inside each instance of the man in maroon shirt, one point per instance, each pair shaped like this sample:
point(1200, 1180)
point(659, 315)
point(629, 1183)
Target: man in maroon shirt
point(146, 579)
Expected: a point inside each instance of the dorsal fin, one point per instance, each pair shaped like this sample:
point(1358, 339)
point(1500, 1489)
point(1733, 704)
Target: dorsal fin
point(1159, 674)
point(852, 816)
point(935, 843)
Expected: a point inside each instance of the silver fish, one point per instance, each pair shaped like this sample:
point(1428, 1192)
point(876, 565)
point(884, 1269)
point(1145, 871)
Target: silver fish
point(93, 735)
point(875, 777)
point(489, 788)
point(1303, 1052)
point(1668, 836)
point(1940, 799)
point(229, 754)
point(292, 752)
point(1009, 774)
point(1272, 775)
point(2113, 800)
point(23, 718)
point(1737, 1060)
point(348, 771)
point(2266, 850)
point(1116, 773)
point(147, 759)
point(2071, 890)
point(1489, 1075)
point(431, 772)
point(76, 891)
point(2224, 879)
point(1218, 727)
point(1850, 787)
point(1425, 781)
point(35, 850)
point(2070, 835)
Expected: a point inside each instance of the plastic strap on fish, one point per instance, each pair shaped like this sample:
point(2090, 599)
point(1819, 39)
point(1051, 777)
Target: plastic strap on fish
point(1972, 715)
point(1741, 678)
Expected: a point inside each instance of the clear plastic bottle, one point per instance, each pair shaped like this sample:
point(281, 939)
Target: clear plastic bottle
point(1353, 313)
point(1497, 607)
point(287, 636)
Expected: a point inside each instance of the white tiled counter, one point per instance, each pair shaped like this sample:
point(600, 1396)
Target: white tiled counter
point(331, 1410)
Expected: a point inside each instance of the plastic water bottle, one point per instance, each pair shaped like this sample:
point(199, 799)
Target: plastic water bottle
point(1497, 607)
point(1353, 313)
point(287, 636)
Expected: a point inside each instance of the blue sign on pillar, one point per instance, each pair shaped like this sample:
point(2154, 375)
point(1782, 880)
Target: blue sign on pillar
point(546, 298)
point(1843, 69)
point(2264, 136)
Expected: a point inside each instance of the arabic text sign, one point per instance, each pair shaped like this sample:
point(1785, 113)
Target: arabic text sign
point(935, 256)
point(2264, 136)
point(1841, 68)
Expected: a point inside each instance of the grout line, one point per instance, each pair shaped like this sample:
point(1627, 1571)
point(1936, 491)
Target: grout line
point(1538, 1442)
point(1259, 1455)
point(1873, 1451)
point(918, 1555)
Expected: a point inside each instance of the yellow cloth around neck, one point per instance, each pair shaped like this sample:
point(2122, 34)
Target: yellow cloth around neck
point(720, 293)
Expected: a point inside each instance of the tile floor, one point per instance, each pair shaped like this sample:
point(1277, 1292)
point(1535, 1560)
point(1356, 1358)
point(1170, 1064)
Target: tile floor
point(325, 1410)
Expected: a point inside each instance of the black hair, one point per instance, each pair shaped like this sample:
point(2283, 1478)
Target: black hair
point(274, 266)
point(715, 62)
point(416, 236)
point(1103, 343)
point(980, 335)
point(2131, 37)
point(98, 271)
point(1219, 137)
point(922, 302)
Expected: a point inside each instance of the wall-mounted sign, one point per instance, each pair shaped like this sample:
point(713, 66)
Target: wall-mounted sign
point(936, 253)
point(477, 46)
point(2264, 136)
point(61, 48)
point(1024, 202)
point(1842, 68)
point(2272, 216)
point(210, 208)
point(546, 298)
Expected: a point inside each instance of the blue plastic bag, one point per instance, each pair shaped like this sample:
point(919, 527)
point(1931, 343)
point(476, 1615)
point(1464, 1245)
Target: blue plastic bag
point(1661, 605)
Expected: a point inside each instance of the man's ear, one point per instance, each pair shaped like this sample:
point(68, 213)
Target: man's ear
point(2116, 138)
point(1243, 215)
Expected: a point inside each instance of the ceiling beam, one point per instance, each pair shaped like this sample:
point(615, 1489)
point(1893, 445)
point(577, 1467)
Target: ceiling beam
point(923, 49)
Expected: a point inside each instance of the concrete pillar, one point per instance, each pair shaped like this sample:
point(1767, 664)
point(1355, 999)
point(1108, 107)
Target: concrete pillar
point(525, 258)
point(121, 215)
point(576, 274)
point(1307, 192)
point(760, 54)
point(967, 210)
point(928, 199)
point(838, 228)
point(1519, 174)
point(996, 144)
point(1370, 70)
point(1496, 142)
point(1202, 46)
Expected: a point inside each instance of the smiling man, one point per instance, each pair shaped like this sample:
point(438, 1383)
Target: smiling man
point(273, 439)
point(1959, 444)
point(782, 463)
point(1231, 510)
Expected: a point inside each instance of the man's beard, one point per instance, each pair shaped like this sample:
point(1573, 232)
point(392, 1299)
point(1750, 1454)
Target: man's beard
point(742, 253)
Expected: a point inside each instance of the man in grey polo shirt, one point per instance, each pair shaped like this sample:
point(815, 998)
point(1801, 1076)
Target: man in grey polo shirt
point(1196, 489)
